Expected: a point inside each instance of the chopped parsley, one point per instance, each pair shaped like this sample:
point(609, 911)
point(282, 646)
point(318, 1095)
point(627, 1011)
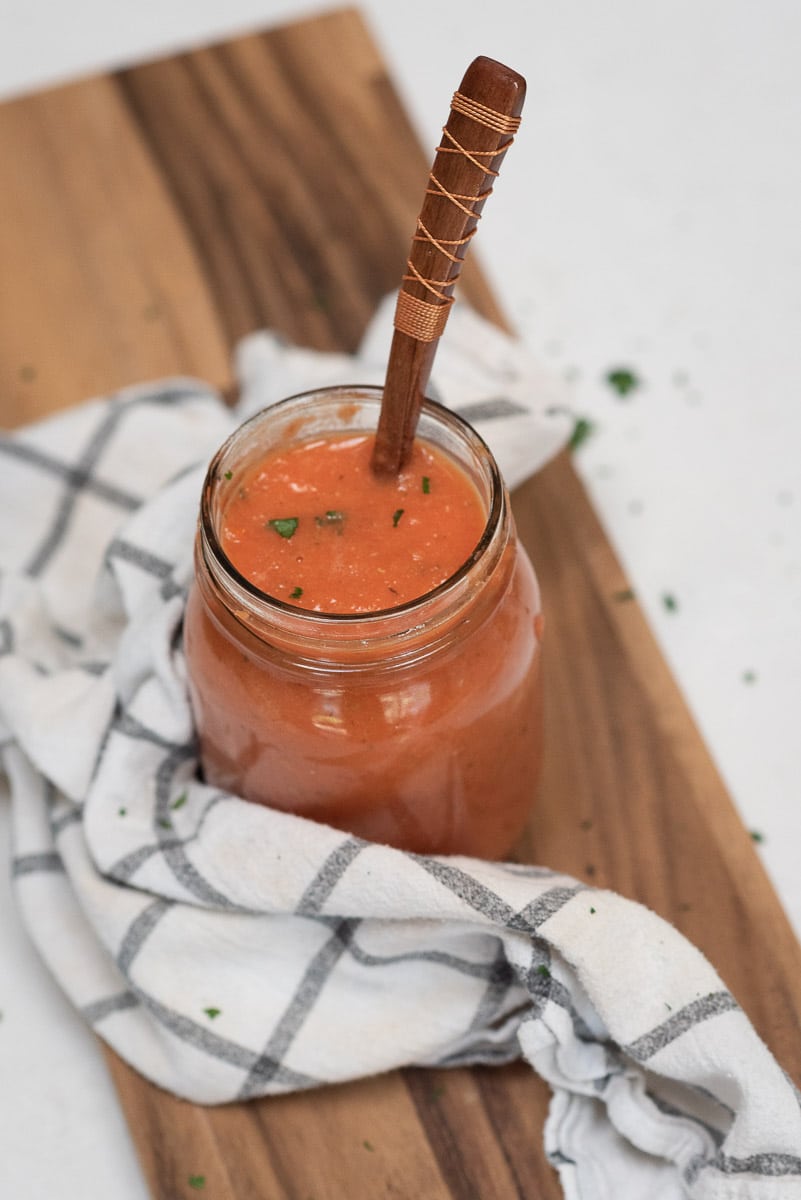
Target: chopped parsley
point(757, 837)
point(396, 516)
point(228, 475)
point(198, 1182)
point(368, 1145)
point(749, 677)
point(284, 526)
point(122, 812)
point(296, 593)
point(179, 802)
point(624, 595)
point(543, 971)
point(165, 822)
point(592, 911)
point(581, 431)
point(622, 380)
point(211, 1013)
point(426, 485)
point(333, 518)
point(669, 602)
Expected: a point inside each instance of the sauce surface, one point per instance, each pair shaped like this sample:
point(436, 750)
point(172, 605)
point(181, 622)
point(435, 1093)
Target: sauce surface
point(312, 525)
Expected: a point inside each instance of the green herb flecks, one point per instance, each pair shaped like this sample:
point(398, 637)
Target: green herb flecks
point(757, 837)
point(622, 596)
point(368, 1146)
point(296, 593)
point(283, 526)
point(179, 801)
point(165, 823)
point(581, 431)
point(211, 1013)
point(749, 676)
point(333, 518)
point(622, 380)
point(122, 812)
point(396, 516)
point(426, 485)
point(198, 1182)
point(592, 912)
point(669, 602)
point(228, 475)
point(543, 971)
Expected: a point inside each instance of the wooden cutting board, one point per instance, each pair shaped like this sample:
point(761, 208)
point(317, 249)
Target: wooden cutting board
point(147, 220)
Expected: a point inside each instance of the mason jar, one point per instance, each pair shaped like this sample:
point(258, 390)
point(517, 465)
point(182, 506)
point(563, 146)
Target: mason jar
point(418, 726)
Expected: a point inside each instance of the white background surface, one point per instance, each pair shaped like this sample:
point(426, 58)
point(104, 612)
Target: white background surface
point(647, 217)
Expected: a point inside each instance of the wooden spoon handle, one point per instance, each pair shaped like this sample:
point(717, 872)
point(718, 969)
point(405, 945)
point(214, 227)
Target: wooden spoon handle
point(485, 113)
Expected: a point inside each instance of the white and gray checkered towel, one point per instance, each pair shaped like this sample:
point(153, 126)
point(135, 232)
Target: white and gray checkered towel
point(228, 951)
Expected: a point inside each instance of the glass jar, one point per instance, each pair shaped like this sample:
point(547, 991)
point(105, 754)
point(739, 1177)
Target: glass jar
point(418, 726)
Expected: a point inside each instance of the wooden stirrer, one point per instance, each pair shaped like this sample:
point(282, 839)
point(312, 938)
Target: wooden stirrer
point(484, 116)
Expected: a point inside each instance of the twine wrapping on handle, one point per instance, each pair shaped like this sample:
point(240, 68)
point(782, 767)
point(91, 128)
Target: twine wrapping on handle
point(421, 319)
point(483, 118)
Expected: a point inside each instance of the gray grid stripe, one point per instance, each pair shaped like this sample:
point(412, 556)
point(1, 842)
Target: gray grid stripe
point(128, 725)
point(75, 477)
point(79, 478)
point(479, 897)
point(124, 869)
point(774, 1165)
point(216, 1046)
point(98, 1010)
point(691, 1015)
point(86, 463)
point(33, 864)
point(127, 866)
point(329, 876)
point(491, 971)
point(72, 816)
point(6, 637)
point(173, 849)
point(128, 552)
point(139, 931)
point(191, 1031)
point(500, 978)
point(299, 1007)
point(540, 910)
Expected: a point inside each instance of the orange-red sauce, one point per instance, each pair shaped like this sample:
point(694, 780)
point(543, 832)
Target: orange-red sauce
point(311, 524)
point(436, 750)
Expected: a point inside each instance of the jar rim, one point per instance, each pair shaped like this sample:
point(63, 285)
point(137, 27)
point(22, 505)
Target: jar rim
point(309, 619)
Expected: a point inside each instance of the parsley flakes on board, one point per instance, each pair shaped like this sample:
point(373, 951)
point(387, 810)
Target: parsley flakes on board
point(581, 431)
point(622, 380)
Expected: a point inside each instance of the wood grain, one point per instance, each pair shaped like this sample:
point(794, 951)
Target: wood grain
point(148, 221)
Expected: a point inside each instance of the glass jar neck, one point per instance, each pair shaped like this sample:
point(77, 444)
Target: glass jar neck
point(396, 634)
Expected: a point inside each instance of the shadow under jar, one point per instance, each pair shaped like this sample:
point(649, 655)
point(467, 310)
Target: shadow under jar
point(418, 726)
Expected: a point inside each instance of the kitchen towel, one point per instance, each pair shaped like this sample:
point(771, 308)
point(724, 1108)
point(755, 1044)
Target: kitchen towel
point(228, 951)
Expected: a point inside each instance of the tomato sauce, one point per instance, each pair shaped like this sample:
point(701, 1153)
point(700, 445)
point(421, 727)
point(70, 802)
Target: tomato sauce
point(312, 525)
point(416, 726)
